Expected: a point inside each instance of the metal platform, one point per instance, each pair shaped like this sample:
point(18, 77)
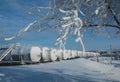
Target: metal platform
point(10, 63)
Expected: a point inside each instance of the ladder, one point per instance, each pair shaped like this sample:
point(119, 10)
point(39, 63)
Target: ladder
point(6, 52)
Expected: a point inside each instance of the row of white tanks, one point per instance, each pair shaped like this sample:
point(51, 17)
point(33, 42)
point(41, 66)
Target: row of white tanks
point(37, 54)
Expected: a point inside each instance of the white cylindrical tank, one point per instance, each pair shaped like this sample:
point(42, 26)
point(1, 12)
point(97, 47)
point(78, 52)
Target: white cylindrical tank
point(73, 54)
point(26, 53)
point(80, 54)
point(45, 54)
point(53, 55)
point(91, 54)
point(86, 54)
point(76, 53)
point(65, 54)
point(69, 54)
point(97, 54)
point(60, 54)
point(35, 53)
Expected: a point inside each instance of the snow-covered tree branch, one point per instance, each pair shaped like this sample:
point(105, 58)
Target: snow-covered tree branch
point(69, 17)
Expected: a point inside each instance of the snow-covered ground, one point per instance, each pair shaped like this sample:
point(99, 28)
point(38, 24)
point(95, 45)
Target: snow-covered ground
point(107, 60)
point(77, 70)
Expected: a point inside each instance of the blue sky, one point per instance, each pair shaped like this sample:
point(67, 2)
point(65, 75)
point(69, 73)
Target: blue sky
point(14, 16)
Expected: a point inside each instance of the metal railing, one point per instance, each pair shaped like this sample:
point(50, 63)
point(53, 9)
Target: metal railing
point(6, 52)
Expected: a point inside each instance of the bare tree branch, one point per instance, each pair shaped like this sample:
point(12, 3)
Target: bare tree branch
point(102, 25)
point(112, 12)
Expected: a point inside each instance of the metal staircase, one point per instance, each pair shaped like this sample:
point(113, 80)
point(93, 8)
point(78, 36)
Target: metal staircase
point(6, 52)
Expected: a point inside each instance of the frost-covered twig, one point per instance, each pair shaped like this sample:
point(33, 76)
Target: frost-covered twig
point(21, 31)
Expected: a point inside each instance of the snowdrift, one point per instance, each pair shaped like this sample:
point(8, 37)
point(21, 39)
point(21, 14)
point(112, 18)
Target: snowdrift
point(77, 70)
